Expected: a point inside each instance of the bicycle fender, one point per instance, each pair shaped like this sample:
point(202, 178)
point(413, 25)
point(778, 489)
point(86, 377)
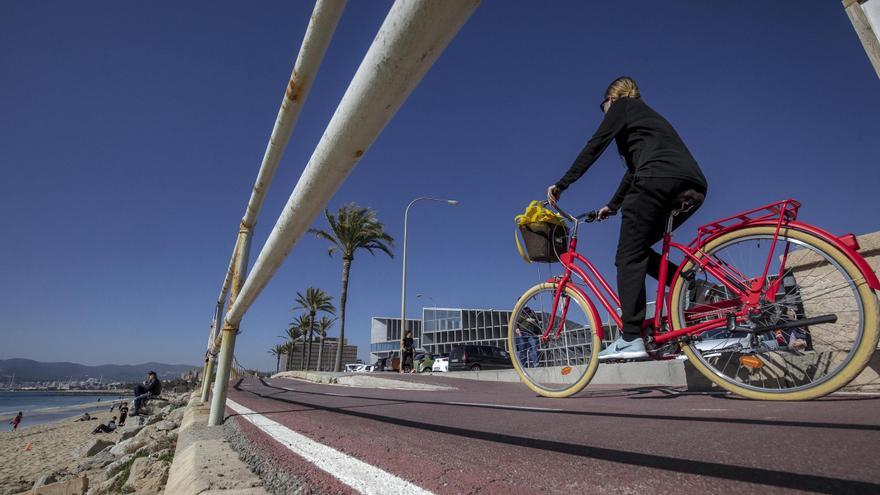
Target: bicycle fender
point(843, 243)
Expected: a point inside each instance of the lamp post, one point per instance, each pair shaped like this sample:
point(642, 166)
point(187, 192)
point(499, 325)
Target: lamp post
point(403, 282)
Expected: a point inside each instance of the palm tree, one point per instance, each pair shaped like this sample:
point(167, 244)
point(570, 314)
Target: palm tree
point(353, 228)
point(303, 324)
point(321, 326)
point(294, 332)
point(313, 301)
point(277, 351)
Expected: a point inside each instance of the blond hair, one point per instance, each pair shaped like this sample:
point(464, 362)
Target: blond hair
point(623, 87)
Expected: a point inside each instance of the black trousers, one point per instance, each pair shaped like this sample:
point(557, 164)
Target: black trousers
point(645, 211)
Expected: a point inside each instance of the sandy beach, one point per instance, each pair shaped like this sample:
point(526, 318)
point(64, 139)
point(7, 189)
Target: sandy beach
point(53, 446)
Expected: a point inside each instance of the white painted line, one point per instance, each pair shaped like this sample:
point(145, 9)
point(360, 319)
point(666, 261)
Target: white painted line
point(355, 473)
point(501, 406)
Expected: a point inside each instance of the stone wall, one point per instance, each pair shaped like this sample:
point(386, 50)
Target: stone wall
point(831, 341)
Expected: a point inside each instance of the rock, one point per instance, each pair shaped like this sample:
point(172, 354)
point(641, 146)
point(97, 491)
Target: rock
point(167, 409)
point(176, 415)
point(106, 487)
point(100, 460)
point(147, 433)
point(148, 476)
point(166, 425)
point(130, 432)
point(91, 448)
point(46, 479)
point(127, 446)
point(113, 468)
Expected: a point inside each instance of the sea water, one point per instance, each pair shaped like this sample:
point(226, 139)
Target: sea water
point(43, 407)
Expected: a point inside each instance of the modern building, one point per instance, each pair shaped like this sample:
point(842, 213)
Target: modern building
point(440, 329)
point(385, 336)
point(294, 361)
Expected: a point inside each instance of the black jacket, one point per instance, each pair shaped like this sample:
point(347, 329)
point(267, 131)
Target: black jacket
point(645, 140)
point(153, 386)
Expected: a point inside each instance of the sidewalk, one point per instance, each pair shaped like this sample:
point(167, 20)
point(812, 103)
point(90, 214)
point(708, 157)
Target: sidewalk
point(670, 373)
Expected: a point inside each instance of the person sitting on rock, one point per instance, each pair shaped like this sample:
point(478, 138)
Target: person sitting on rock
point(110, 427)
point(150, 389)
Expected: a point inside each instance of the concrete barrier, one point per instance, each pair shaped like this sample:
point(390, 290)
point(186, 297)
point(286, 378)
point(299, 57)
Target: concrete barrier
point(204, 463)
point(76, 486)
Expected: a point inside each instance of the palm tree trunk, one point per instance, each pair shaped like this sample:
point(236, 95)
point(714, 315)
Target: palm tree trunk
point(346, 268)
point(302, 363)
point(320, 352)
point(278, 364)
point(311, 329)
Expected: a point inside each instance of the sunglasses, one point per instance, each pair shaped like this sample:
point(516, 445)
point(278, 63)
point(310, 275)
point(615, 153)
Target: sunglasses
point(602, 105)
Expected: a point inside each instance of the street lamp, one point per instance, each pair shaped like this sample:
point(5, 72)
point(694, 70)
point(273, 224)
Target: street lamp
point(452, 202)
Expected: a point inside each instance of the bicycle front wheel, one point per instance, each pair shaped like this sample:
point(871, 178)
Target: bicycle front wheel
point(562, 364)
point(785, 361)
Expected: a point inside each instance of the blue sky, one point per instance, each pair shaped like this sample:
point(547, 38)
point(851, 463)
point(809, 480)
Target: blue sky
point(131, 134)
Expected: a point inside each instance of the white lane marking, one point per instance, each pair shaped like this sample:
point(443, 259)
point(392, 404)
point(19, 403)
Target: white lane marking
point(501, 406)
point(355, 473)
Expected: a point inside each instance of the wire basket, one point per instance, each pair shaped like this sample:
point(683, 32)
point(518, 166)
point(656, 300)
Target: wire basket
point(544, 241)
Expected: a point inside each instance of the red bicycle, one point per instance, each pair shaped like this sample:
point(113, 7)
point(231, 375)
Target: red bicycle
point(765, 306)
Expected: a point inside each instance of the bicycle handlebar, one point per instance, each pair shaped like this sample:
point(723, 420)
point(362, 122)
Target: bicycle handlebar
point(588, 217)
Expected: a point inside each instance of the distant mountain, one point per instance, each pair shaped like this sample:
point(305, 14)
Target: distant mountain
point(29, 370)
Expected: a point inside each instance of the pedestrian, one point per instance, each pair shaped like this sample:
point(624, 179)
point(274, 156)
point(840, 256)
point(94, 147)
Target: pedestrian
point(406, 357)
point(123, 413)
point(16, 420)
point(660, 174)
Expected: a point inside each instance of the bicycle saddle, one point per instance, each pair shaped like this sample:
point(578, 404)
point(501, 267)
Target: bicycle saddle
point(688, 199)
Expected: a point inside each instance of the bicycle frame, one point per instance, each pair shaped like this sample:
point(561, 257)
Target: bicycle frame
point(746, 291)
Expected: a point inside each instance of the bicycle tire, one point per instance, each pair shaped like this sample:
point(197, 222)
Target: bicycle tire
point(856, 360)
point(583, 373)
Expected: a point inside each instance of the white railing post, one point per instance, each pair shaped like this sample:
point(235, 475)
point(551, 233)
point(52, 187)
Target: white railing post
point(411, 38)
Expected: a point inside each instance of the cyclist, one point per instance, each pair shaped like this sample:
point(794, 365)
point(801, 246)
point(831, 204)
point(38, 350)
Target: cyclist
point(660, 173)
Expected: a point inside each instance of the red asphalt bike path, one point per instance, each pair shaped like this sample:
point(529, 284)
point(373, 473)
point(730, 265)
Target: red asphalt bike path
point(605, 440)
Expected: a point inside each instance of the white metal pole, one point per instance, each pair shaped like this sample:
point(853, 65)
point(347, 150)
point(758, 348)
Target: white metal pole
point(413, 35)
point(227, 344)
point(403, 281)
point(322, 25)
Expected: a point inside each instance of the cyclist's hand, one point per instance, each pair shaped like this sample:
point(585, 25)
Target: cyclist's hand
point(553, 194)
point(604, 212)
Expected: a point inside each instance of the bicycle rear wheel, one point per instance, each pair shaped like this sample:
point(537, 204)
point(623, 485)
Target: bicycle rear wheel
point(788, 361)
point(563, 364)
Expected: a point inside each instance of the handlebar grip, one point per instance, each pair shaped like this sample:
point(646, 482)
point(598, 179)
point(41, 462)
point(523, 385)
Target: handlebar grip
point(592, 216)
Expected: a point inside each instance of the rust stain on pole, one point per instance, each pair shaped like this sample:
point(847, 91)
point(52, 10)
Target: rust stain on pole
point(295, 86)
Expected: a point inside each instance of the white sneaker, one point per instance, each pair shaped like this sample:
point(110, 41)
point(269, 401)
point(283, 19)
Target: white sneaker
point(621, 349)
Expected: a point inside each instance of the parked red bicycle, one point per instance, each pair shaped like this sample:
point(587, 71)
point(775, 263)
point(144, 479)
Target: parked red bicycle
point(765, 306)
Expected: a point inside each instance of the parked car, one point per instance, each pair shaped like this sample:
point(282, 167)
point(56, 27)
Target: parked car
point(478, 357)
point(441, 364)
point(423, 362)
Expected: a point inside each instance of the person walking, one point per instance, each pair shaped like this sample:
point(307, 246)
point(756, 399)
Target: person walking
point(660, 174)
point(123, 413)
point(406, 357)
point(16, 421)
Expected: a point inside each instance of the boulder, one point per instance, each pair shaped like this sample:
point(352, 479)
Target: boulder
point(46, 479)
point(106, 487)
point(92, 447)
point(130, 432)
point(98, 461)
point(166, 425)
point(116, 466)
point(127, 446)
point(148, 476)
point(176, 415)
